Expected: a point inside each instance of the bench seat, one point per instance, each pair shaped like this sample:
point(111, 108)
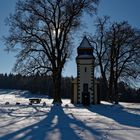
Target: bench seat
point(34, 100)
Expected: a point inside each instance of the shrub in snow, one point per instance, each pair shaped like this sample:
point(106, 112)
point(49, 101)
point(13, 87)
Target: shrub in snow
point(30, 103)
point(17, 103)
point(7, 103)
point(44, 104)
point(66, 105)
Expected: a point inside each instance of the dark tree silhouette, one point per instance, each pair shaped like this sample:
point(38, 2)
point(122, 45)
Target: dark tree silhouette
point(36, 84)
point(117, 47)
point(101, 50)
point(124, 43)
point(42, 32)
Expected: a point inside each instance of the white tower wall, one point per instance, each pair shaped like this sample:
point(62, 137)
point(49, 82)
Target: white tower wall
point(85, 75)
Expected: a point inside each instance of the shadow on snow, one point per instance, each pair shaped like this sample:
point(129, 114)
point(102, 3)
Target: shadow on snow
point(55, 126)
point(118, 113)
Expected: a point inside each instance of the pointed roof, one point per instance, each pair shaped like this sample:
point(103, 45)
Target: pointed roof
point(84, 44)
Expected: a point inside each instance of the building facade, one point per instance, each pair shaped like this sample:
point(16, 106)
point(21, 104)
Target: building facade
point(83, 87)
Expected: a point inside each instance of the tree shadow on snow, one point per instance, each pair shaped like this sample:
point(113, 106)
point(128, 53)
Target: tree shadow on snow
point(118, 113)
point(56, 125)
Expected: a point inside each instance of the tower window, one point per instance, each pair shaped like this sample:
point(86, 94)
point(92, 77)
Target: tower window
point(85, 69)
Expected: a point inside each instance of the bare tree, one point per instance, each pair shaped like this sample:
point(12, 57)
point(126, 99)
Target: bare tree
point(42, 32)
point(101, 49)
point(123, 41)
point(117, 47)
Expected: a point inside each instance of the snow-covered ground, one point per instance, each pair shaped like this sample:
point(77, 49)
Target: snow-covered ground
point(66, 122)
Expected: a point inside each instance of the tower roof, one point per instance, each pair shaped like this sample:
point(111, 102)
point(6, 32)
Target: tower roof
point(85, 44)
point(85, 50)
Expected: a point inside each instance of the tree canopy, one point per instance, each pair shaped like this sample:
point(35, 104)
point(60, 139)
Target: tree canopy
point(41, 30)
point(117, 47)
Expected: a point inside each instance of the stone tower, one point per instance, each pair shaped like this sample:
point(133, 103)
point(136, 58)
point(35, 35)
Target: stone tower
point(85, 73)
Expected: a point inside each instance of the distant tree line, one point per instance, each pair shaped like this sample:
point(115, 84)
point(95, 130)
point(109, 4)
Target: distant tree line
point(41, 84)
point(125, 92)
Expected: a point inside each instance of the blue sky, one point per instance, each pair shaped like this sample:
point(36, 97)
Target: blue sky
point(118, 10)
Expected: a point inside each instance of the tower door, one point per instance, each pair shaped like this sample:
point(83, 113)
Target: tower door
point(85, 95)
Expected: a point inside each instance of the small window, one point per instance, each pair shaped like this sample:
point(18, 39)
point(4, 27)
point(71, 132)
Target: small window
point(85, 87)
point(85, 69)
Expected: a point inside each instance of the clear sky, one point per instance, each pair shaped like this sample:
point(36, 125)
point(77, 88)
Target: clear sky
point(118, 10)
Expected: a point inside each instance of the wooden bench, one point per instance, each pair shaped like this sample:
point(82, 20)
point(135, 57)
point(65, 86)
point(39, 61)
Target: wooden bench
point(34, 101)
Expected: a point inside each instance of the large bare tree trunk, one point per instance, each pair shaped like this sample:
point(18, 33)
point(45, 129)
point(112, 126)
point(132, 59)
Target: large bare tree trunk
point(57, 88)
point(110, 91)
point(111, 78)
point(116, 99)
point(104, 78)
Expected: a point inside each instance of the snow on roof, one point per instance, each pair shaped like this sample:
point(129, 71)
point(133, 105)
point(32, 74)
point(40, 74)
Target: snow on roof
point(85, 43)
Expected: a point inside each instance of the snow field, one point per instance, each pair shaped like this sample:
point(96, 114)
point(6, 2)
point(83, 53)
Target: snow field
point(66, 122)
